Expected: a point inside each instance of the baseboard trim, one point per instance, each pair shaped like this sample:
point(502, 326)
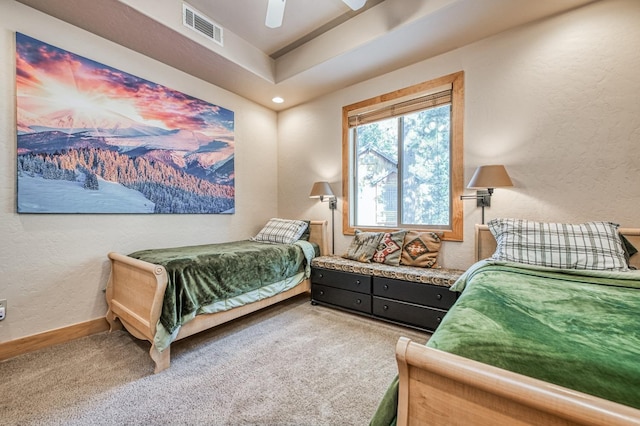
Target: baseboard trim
point(34, 342)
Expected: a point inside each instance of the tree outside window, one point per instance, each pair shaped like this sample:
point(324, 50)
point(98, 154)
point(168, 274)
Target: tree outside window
point(404, 159)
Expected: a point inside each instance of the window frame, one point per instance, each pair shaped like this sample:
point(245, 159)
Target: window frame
point(456, 80)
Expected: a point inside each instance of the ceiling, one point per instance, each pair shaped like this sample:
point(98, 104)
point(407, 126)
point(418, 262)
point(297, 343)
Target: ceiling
point(322, 46)
point(303, 20)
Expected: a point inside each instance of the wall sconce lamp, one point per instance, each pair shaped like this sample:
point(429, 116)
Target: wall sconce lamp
point(323, 191)
point(485, 179)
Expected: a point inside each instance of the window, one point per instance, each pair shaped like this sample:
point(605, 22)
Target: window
point(402, 159)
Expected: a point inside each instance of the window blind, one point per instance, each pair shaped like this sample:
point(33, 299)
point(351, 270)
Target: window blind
point(431, 100)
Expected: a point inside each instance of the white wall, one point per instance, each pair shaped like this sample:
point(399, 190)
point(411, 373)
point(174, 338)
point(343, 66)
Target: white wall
point(557, 102)
point(53, 268)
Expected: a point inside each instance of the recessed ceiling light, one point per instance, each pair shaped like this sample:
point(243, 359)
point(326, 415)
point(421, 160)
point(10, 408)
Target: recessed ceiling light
point(278, 100)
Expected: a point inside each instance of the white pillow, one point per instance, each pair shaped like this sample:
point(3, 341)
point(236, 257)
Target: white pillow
point(592, 245)
point(281, 231)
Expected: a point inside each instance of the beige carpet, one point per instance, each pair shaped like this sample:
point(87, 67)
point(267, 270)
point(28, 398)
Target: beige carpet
point(291, 364)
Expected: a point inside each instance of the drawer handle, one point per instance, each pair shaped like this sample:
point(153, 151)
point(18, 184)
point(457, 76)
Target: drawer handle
point(386, 287)
point(438, 319)
point(439, 296)
point(357, 282)
point(358, 301)
point(321, 275)
point(385, 307)
point(321, 292)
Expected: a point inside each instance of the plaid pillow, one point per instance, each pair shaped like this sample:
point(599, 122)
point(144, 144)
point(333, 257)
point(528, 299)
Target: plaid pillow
point(592, 245)
point(281, 231)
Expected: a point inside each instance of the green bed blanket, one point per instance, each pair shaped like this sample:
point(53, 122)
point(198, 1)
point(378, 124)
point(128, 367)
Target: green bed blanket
point(215, 277)
point(577, 329)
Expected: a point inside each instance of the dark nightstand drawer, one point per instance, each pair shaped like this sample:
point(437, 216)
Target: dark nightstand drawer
point(408, 313)
point(417, 293)
point(344, 298)
point(343, 280)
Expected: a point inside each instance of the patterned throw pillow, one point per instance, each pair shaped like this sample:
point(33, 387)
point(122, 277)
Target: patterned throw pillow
point(363, 246)
point(629, 250)
point(592, 245)
point(281, 231)
point(307, 231)
point(390, 248)
point(420, 249)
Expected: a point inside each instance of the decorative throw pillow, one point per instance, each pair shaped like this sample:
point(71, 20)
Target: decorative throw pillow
point(363, 246)
point(629, 250)
point(389, 248)
point(591, 245)
point(281, 231)
point(307, 231)
point(421, 249)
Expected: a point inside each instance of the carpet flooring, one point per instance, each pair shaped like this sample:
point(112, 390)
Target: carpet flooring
point(290, 364)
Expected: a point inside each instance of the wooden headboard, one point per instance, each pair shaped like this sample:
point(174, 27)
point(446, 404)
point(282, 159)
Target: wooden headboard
point(486, 244)
point(318, 235)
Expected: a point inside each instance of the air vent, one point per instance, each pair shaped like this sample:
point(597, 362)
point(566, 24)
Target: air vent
point(200, 23)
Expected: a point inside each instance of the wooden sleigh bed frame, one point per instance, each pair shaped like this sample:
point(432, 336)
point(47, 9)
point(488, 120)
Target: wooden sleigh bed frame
point(439, 388)
point(135, 292)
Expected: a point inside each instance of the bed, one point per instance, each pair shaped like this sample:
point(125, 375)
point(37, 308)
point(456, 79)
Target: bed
point(146, 296)
point(526, 345)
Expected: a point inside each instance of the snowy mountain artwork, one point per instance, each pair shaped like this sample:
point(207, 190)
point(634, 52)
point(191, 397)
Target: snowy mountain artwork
point(93, 139)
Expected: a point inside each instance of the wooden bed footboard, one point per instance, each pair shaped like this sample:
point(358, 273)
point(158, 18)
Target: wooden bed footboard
point(439, 388)
point(137, 306)
point(135, 293)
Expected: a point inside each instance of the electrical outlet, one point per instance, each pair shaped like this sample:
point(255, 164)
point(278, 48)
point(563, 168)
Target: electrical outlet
point(3, 309)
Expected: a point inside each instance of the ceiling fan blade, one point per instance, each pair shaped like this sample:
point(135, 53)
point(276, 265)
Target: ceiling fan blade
point(275, 13)
point(354, 4)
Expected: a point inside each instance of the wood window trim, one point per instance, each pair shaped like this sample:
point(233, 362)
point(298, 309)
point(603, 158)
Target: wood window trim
point(455, 233)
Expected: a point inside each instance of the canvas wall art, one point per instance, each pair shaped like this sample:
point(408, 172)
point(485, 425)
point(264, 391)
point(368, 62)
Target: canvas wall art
point(94, 139)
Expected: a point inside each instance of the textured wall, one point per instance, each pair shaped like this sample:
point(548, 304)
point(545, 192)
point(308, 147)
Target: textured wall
point(557, 102)
point(53, 268)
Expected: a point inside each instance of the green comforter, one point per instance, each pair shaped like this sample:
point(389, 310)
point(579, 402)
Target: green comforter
point(577, 329)
point(201, 279)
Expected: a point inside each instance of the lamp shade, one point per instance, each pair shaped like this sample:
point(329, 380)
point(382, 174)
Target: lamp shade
point(321, 190)
point(490, 177)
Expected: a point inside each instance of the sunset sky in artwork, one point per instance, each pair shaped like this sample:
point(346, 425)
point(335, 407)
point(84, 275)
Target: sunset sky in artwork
point(58, 89)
